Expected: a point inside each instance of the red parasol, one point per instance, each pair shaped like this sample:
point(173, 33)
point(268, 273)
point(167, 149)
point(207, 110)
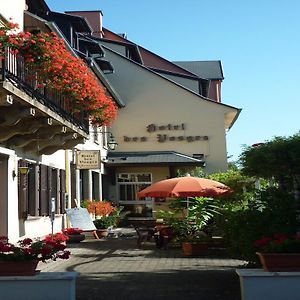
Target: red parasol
point(185, 187)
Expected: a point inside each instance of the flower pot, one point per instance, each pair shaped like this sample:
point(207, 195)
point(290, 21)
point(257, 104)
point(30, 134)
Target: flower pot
point(75, 238)
point(18, 268)
point(102, 233)
point(194, 248)
point(280, 262)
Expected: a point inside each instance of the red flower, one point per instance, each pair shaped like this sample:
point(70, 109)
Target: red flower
point(47, 57)
point(71, 231)
point(263, 242)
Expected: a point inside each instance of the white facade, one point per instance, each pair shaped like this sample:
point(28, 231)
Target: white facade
point(153, 99)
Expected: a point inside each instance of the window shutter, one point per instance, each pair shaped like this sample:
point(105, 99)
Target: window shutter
point(23, 192)
point(44, 197)
point(62, 191)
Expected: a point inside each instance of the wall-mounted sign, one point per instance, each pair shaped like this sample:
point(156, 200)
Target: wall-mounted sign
point(154, 127)
point(162, 138)
point(88, 159)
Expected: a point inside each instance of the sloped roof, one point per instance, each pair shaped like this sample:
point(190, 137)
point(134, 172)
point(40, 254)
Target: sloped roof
point(151, 158)
point(204, 69)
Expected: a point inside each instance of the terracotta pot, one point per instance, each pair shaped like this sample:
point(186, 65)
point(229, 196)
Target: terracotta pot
point(194, 248)
point(280, 262)
point(102, 233)
point(76, 238)
point(18, 268)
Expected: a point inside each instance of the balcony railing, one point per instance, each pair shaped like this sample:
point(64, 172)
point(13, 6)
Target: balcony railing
point(13, 69)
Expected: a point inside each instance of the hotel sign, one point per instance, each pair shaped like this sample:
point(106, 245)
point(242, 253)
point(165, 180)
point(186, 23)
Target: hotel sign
point(162, 136)
point(88, 159)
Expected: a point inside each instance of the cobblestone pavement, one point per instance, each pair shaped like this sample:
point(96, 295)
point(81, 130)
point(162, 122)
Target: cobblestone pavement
point(115, 268)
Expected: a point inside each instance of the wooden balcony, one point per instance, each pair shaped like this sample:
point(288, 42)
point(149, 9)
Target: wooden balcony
point(32, 119)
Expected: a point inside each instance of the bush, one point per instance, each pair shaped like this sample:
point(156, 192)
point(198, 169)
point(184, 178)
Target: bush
point(274, 212)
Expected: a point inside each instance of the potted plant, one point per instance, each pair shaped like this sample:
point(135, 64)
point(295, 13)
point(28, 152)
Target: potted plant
point(75, 235)
point(279, 252)
point(192, 230)
point(21, 259)
point(106, 215)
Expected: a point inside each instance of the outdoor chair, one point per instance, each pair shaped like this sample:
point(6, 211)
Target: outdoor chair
point(143, 234)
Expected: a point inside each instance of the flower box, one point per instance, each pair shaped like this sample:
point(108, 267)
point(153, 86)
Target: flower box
point(280, 262)
point(45, 285)
point(256, 284)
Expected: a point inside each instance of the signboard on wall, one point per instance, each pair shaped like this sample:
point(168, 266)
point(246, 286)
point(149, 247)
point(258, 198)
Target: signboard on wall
point(88, 159)
point(80, 218)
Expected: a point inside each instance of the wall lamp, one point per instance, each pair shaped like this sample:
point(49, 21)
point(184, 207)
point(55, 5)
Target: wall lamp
point(22, 170)
point(111, 143)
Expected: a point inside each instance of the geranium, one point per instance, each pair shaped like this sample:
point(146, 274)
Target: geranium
point(100, 208)
point(278, 243)
point(72, 231)
point(28, 249)
point(51, 65)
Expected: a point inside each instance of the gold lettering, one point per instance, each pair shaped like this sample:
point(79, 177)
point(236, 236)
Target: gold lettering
point(151, 128)
point(161, 138)
point(127, 139)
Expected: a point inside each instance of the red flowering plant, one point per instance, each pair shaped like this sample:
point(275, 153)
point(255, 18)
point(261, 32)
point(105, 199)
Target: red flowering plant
point(72, 231)
point(100, 208)
point(278, 243)
point(105, 213)
point(51, 65)
point(51, 247)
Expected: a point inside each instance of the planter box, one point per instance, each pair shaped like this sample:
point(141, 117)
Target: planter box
point(256, 284)
point(45, 285)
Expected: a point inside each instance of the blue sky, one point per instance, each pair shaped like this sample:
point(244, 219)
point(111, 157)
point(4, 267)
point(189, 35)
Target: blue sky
point(257, 42)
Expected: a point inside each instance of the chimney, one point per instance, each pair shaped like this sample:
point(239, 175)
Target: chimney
point(94, 18)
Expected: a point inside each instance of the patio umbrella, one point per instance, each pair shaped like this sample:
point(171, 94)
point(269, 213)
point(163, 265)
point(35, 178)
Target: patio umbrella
point(187, 186)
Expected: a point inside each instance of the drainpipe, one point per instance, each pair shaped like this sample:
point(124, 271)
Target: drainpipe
point(68, 183)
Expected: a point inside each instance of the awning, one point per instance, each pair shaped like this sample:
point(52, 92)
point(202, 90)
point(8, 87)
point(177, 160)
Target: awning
point(153, 158)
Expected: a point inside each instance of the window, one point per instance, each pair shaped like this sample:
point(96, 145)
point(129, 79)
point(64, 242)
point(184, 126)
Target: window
point(37, 187)
point(131, 183)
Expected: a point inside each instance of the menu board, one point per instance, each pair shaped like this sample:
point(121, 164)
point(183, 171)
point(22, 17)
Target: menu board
point(80, 218)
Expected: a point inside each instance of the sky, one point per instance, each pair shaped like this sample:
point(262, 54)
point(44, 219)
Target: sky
point(257, 42)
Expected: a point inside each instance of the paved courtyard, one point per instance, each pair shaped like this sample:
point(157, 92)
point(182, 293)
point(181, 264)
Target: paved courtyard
point(115, 268)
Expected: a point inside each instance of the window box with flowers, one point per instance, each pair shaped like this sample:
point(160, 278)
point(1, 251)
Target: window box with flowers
point(18, 264)
point(49, 64)
point(22, 259)
point(279, 253)
point(279, 278)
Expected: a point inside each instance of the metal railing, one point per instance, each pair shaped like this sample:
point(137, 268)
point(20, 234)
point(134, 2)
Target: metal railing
point(14, 69)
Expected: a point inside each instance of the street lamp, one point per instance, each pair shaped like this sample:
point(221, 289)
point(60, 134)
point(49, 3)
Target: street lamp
point(111, 143)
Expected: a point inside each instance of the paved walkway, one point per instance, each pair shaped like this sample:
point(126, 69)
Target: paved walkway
point(115, 269)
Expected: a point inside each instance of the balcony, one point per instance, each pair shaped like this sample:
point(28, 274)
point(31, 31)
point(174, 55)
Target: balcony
point(36, 119)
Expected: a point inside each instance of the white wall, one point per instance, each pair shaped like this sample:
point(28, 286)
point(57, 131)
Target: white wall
point(13, 9)
point(151, 99)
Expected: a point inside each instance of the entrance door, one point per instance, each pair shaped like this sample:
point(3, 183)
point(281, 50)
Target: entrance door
point(129, 184)
point(3, 195)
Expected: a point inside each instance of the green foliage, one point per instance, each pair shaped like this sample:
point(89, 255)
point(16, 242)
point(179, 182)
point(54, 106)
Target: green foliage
point(273, 212)
point(110, 220)
point(192, 227)
point(279, 159)
point(243, 188)
point(197, 172)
